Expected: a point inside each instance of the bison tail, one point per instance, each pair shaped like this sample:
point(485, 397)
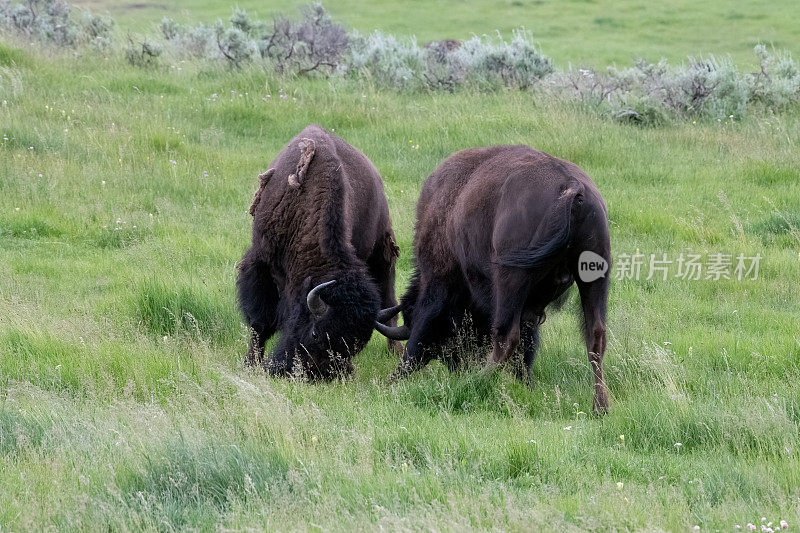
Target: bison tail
point(552, 237)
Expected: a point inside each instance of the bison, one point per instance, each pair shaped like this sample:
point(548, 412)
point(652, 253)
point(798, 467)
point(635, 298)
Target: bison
point(499, 234)
point(322, 259)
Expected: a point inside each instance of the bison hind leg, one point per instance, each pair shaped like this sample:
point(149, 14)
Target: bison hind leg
point(593, 302)
point(510, 291)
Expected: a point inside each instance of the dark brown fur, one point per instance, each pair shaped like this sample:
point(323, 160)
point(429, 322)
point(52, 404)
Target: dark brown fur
point(320, 213)
point(498, 235)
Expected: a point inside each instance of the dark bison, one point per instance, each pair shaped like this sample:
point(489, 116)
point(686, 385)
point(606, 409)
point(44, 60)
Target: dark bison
point(498, 237)
point(322, 260)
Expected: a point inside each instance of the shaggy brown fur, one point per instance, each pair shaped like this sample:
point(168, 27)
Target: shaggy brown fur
point(320, 214)
point(498, 235)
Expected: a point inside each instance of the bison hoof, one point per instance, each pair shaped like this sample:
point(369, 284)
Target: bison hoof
point(395, 347)
point(396, 376)
point(492, 364)
point(524, 375)
point(401, 373)
point(600, 406)
point(251, 360)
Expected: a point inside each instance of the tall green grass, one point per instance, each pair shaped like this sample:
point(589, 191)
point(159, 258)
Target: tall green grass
point(124, 403)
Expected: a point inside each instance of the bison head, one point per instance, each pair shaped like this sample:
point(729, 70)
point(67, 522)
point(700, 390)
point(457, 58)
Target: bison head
point(333, 323)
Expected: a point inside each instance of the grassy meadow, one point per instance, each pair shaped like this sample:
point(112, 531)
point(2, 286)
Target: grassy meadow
point(581, 32)
point(124, 403)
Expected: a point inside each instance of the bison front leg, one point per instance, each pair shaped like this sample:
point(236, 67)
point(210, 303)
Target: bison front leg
point(382, 268)
point(281, 362)
point(258, 301)
point(593, 301)
point(429, 329)
point(255, 350)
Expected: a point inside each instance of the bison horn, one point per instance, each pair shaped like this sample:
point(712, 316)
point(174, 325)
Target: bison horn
point(316, 304)
point(399, 333)
point(389, 312)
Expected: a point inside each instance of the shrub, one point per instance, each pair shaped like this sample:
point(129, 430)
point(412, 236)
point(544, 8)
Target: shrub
point(95, 26)
point(240, 21)
point(313, 44)
point(386, 60)
point(97, 31)
point(732, 91)
point(100, 44)
point(234, 45)
point(644, 94)
point(494, 62)
point(440, 71)
point(142, 54)
point(481, 62)
point(704, 86)
point(169, 28)
point(638, 110)
point(195, 43)
point(45, 19)
point(55, 22)
point(590, 86)
point(652, 92)
point(777, 84)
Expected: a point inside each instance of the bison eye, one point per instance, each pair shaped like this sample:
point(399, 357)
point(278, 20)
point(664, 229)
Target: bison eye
point(313, 333)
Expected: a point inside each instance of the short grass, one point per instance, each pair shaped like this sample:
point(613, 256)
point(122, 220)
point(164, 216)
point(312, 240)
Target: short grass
point(124, 403)
point(581, 32)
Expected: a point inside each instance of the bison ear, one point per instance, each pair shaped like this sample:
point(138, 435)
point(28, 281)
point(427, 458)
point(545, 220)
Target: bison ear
point(262, 182)
point(307, 148)
point(264, 178)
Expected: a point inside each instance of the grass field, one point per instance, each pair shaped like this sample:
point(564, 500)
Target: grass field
point(124, 404)
point(581, 32)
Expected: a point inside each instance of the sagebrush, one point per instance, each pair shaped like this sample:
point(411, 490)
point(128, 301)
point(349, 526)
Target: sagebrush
point(315, 45)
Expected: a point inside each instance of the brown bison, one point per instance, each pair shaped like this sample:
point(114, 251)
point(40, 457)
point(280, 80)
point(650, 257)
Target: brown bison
point(322, 260)
point(498, 237)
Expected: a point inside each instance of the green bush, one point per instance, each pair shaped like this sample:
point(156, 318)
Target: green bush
point(314, 45)
point(55, 22)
